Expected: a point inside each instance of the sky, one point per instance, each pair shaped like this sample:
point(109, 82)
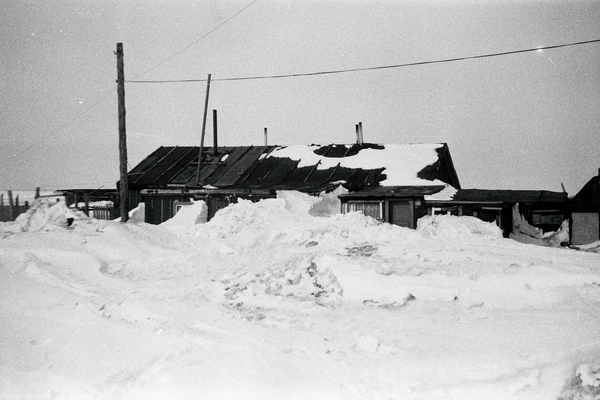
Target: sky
point(520, 121)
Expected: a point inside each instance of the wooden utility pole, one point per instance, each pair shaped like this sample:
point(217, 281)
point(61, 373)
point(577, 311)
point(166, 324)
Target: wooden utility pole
point(201, 155)
point(123, 183)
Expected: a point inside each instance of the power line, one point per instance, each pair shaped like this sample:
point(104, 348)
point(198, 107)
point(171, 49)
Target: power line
point(196, 41)
point(102, 98)
point(63, 126)
point(342, 71)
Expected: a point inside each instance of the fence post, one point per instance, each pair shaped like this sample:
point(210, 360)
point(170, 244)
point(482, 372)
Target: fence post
point(86, 199)
point(11, 206)
point(37, 192)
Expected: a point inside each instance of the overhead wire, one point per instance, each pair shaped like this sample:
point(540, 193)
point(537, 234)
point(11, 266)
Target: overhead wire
point(102, 98)
point(382, 67)
point(75, 118)
point(197, 40)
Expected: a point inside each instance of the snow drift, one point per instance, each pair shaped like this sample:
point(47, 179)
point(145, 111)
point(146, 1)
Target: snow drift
point(266, 301)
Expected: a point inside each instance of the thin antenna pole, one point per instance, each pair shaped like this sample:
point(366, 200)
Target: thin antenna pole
point(215, 144)
point(123, 183)
point(201, 155)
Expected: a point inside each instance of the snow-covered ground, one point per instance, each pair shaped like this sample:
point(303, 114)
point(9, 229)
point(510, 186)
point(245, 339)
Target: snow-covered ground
point(267, 301)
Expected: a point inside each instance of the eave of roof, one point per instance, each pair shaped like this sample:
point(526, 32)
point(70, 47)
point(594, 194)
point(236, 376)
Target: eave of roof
point(485, 196)
point(393, 192)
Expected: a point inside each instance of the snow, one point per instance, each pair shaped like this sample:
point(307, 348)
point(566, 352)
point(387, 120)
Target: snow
point(446, 194)
point(591, 247)
point(268, 301)
point(137, 214)
point(524, 232)
point(196, 213)
point(402, 162)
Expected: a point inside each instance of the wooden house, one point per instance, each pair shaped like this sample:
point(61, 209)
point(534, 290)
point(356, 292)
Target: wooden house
point(386, 181)
point(585, 213)
point(420, 170)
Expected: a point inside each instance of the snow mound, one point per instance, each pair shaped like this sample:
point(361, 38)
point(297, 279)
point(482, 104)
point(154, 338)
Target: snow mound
point(525, 233)
point(329, 203)
point(585, 385)
point(450, 226)
point(197, 213)
point(268, 301)
point(45, 215)
point(592, 247)
point(137, 214)
point(246, 216)
point(297, 202)
point(303, 278)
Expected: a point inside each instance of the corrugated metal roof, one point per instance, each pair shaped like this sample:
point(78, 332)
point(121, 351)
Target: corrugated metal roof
point(264, 167)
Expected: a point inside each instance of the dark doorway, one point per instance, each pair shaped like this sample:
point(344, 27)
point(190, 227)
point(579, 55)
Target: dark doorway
point(401, 213)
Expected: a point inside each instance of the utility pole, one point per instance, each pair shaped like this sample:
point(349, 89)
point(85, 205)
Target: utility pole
point(123, 183)
point(201, 155)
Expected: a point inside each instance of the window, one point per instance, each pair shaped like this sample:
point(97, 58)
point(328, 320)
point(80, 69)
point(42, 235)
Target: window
point(371, 209)
point(447, 210)
point(177, 205)
point(549, 217)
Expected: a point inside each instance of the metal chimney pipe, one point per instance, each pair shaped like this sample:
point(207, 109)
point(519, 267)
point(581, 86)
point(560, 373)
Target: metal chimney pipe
point(266, 141)
point(357, 134)
point(360, 133)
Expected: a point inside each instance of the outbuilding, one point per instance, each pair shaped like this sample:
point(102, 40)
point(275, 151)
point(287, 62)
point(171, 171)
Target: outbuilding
point(585, 213)
point(542, 209)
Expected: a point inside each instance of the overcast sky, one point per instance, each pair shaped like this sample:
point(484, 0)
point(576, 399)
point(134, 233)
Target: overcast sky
point(522, 121)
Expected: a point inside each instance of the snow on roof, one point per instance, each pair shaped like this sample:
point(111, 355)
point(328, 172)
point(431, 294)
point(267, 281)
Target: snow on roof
point(444, 195)
point(402, 162)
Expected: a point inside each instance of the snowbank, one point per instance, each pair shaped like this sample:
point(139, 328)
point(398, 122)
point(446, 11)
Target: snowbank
point(266, 301)
point(43, 215)
point(196, 213)
point(591, 247)
point(450, 226)
point(137, 214)
point(525, 233)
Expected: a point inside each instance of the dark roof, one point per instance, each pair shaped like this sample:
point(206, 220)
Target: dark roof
point(93, 194)
point(588, 198)
point(256, 167)
point(393, 192)
point(506, 196)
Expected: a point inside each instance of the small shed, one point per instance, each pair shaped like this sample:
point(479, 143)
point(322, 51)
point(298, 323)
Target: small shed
point(543, 209)
point(585, 213)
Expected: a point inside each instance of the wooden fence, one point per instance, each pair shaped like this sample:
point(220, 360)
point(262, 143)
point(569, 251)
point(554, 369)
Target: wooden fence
point(10, 214)
point(103, 212)
point(10, 211)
